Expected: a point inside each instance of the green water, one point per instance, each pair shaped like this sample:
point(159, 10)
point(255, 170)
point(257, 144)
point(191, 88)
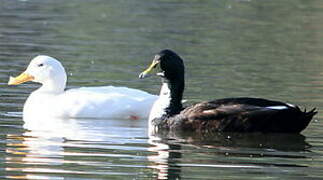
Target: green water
point(259, 48)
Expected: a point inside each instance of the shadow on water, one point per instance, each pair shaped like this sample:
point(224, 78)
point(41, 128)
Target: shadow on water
point(172, 151)
point(283, 142)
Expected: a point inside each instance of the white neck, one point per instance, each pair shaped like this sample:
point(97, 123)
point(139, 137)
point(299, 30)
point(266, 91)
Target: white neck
point(163, 101)
point(55, 85)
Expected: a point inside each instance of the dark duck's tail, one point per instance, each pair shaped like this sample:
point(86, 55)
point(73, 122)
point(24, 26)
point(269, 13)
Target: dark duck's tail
point(305, 118)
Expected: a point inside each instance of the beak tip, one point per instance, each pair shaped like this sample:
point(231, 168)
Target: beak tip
point(142, 75)
point(11, 81)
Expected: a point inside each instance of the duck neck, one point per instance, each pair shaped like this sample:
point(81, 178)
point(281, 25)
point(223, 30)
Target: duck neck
point(176, 89)
point(169, 102)
point(54, 86)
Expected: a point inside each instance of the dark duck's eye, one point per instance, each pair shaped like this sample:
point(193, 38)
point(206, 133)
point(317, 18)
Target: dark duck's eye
point(40, 65)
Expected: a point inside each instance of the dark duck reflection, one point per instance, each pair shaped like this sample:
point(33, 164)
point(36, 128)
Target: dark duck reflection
point(223, 115)
point(176, 155)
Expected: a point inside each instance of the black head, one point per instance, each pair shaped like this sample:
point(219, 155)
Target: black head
point(170, 65)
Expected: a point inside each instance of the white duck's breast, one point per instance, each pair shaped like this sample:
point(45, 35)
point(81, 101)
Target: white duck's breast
point(40, 104)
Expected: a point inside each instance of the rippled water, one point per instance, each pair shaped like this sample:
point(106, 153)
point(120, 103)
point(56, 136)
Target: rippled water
point(270, 49)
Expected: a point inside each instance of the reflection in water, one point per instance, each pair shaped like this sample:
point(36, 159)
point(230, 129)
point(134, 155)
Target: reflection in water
point(292, 142)
point(43, 144)
point(48, 145)
point(167, 158)
point(33, 152)
point(55, 146)
point(174, 157)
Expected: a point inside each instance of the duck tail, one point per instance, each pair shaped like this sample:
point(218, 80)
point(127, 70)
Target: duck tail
point(307, 116)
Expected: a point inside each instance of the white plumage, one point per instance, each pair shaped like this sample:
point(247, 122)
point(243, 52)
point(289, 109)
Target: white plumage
point(51, 99)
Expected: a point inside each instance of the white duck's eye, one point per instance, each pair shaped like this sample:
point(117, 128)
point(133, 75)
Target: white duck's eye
point(40, 65)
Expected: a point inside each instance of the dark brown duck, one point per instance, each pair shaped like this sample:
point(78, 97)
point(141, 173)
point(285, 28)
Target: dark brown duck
point(223, 115)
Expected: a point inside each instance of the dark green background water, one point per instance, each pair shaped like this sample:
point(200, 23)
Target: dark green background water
point(260, 48)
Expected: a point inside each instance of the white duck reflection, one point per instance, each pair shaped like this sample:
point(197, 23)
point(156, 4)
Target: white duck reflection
point(46, 142)
point(166, 159)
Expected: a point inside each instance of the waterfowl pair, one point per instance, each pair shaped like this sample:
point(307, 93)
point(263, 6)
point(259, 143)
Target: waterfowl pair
point(51, 99)
point(222, 115)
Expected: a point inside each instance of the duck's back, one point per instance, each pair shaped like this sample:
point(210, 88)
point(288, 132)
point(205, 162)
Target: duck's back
point(110, 101)
point(242, 115)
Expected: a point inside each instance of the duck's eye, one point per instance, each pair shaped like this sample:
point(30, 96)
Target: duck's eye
point(40, 65)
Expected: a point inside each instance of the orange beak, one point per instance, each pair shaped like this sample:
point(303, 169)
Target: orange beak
point(23, 77)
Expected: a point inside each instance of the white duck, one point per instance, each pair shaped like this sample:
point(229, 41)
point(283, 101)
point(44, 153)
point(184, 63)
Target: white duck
point(51, 99)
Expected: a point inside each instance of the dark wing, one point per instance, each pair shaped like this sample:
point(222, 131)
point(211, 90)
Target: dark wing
point(242, 115)
point(249, 101)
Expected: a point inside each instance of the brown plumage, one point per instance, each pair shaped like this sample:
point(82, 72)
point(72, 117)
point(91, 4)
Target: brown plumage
point(236, 115)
